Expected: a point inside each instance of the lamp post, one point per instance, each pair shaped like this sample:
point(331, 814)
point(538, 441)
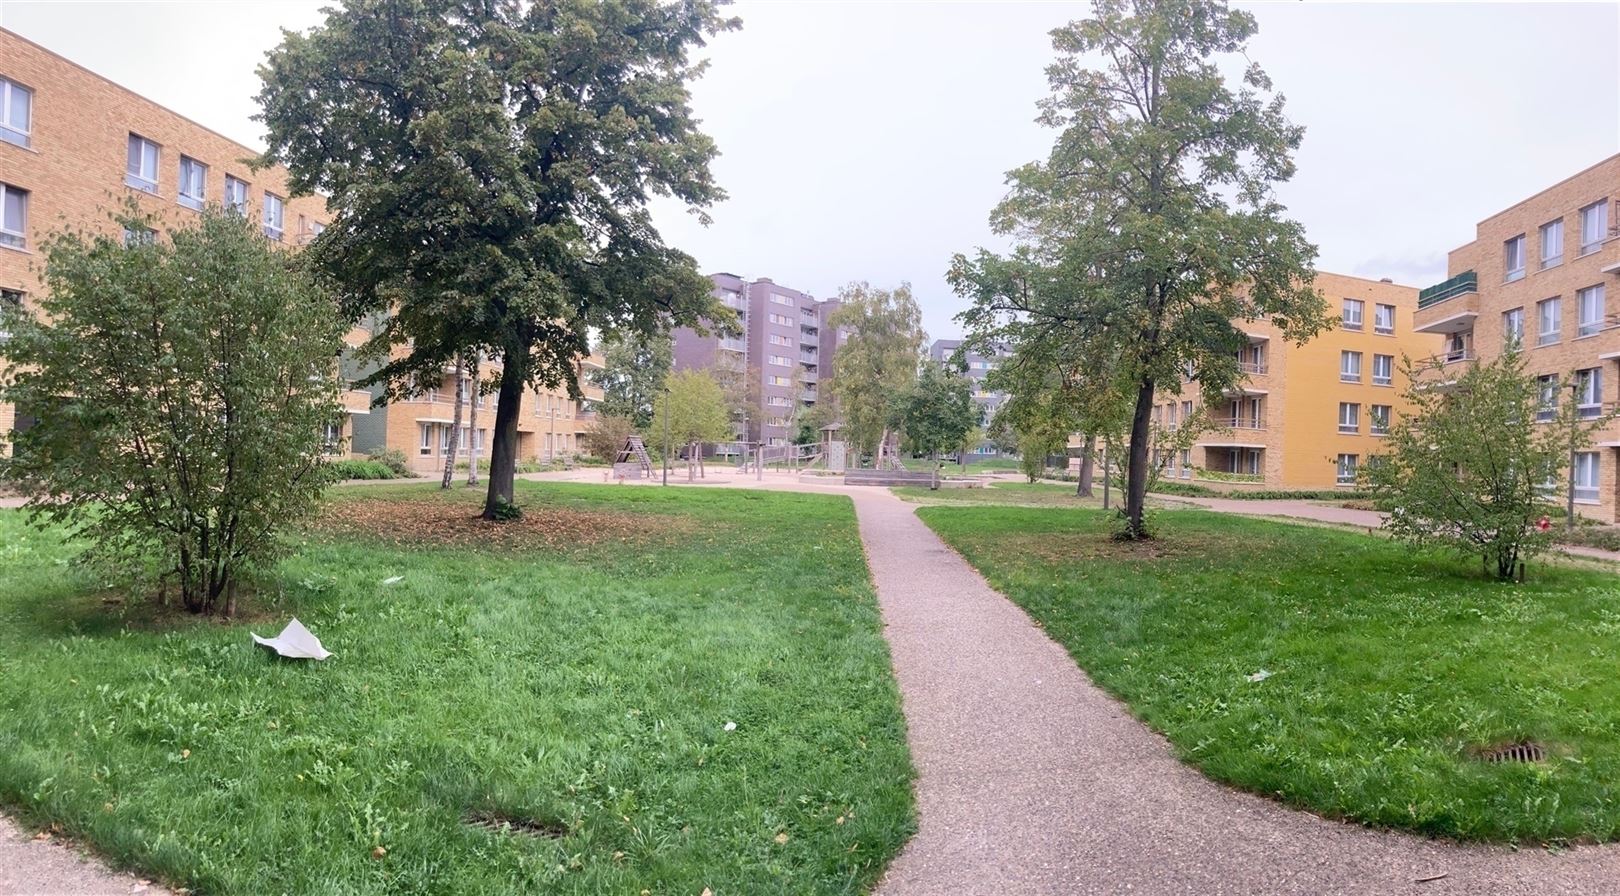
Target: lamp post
point(551, 445)
point(1574, 422)
point(666, 432)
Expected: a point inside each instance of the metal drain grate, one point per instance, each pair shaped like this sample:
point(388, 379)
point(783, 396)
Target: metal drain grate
point(1523, 751)
point(501, 823)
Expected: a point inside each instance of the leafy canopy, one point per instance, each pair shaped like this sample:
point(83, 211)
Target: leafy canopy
point(695, 408)
point(633, 372)
point(937, 411)
point(877, 358)
point(182, 390)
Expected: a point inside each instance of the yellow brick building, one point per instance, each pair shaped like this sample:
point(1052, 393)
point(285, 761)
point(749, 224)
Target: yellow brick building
point(1545, 273)
point(74, 146)
point(1306, 416)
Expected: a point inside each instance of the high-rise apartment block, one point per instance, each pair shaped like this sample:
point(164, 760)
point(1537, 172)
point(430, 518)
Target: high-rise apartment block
point(978, 367)
point(781, 359)
point(75, 146)
point(1544, 275)
point(1304, 416)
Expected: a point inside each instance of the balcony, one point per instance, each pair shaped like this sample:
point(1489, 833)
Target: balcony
point(1252, 368)
point(1450, 306)
point(1608, 435)
point(356, 401)
point(1249, 423)
point(808, 395)
point(809, 376)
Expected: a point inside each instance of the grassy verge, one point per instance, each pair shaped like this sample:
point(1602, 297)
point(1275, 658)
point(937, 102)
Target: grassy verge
point(540, 708)
point(1389, 672)
point(1025, 494)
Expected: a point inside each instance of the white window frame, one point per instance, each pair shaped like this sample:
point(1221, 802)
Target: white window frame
point(13, 234)
point(193, 183)
point(1352, 313)
point(425, 449)
point(1388, 379)
point(1589, 311)
point(1513, 259)
point(1547, 387)
point(1594, 227)
point(151, 156)
point(1513, 327)
point(1350, 418)
point(236, 194)
point(1384, 319)
point(1345, 469)
point(10, 300)
point(780, 299)
point(1588, 466)
point(1546, 335)
point(10, 132)
point(1589, 392)
point(1378, 416)
point(1552, 244)
point(1349, 372)
point(275, 215)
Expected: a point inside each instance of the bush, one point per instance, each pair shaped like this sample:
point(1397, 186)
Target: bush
point(339, 470)
point(1603, 537)
point(394, 460)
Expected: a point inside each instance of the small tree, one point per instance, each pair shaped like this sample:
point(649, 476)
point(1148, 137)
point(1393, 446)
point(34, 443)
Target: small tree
point(1471, 469)
point(606, 435)
point(937, 411)
point(632, 375)
point(696, 410)
point(182, 390)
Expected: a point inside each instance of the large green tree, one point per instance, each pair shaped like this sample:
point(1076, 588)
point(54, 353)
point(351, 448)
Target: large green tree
point(185, 390)
point(489, 165)
point(633, 371)
point(937, 411)
point(692, 410)
point(1152, 226)
point(876, 361)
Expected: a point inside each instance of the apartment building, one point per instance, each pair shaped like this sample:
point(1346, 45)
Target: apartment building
point(1541, 275)
point(1307, 416)
point(784, 355)
point(74, 146)
point(978, 368)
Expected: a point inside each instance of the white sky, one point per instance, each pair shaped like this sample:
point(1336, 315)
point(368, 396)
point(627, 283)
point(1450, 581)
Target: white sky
point(869, 140)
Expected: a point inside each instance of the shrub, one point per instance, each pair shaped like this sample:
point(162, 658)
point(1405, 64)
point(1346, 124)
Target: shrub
point(394, 459)
point(340, 470)
point(1604, 537)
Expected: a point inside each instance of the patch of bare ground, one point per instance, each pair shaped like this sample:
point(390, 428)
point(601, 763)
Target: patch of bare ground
point(457, 524)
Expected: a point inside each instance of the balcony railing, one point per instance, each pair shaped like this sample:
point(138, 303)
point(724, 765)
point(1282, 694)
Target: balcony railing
point(1466, 282)
point(1455, 356)
point(1242, 423)
point(1252, 367)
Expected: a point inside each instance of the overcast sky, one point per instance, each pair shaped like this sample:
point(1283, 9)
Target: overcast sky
point(869, 140)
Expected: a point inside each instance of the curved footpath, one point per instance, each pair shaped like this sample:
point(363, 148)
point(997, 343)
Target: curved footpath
point(1033, 781)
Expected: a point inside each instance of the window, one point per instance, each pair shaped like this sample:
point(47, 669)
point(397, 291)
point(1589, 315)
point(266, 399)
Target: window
point(1352, 314)
point(13, 217)
point(779, 299)
point(1548, 486)
point(193, 183)
point(1186, 411)
point(778, 381)
point(1513, 258)
point(1589, 305)
point(236, 195)
point(1383, 373)
point(1547, 406)
point(780, 361)
point(1552, 244)
point(1186, 463)
point(426, 447)
point(1586, 476)
point(1349, 417)
point(781, 319)
point(1347, 470)
point(1170, 411)
point(781, 340)
point(1594, 226)
point(1379, 414)
point(1384, 319)
point(16, 110)
point(10, 301)
point(1350, 367)
point(777, 401)
point(1589, 392)
point(141, 168)
point(1549, 313)
point(274, 210)
point(444, 439)
point(331, 437)
point(1513, 328)
point(144, 236)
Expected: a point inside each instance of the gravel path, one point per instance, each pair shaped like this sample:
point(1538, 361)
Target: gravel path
point(1032, 780)
point(30, 867)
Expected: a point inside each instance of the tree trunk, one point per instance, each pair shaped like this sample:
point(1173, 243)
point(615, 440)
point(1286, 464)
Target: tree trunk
point(472, 424)
point(1137, 474)
point(503, 451)
point(1083, 488)
point(455, 426)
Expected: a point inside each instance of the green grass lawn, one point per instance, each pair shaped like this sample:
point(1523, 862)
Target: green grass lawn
point(1389, 670)
point(1026, 494)
point(573, 675)
point(975, 464)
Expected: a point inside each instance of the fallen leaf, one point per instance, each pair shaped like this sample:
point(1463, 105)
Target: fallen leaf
point(781, 838)
point(378, 852)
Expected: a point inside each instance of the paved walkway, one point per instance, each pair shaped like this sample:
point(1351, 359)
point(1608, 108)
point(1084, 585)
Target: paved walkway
point(30, 867)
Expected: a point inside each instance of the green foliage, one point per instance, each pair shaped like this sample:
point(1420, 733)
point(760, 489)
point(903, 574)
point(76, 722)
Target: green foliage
point(394, 459)
point(586, 681)
point(1152, 226)
point(937, 411)
point(695, 407)
point(1465, 468)
point(506, 512)
point(340, 470)
point(605, 437)
point(1388, 669)
point(1602, 537)
point(181, 389)
point(633, 371)
point(492, 165)
point(877, 363)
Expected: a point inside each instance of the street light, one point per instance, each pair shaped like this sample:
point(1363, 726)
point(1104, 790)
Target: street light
point(666, 432)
